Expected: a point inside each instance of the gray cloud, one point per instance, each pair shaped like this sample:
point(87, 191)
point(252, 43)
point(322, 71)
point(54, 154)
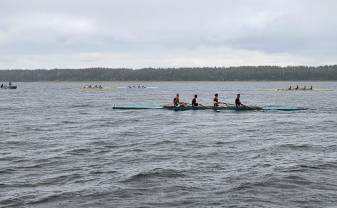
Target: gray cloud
point(139, 33)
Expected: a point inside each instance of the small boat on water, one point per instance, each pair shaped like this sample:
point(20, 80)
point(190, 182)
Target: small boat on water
point(93, 87)
point(297, 88)
point(136, 87)
point(302, 90)
point(185, 108)
point(10, 86)
point(220, 108)
point(229, 107)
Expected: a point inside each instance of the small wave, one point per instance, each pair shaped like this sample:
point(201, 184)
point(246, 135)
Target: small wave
point(285, 182)
point(52, 197)
point(7, 171)
point(12, 201)
point(99, 172)
point(130, 133)
point(79, 151)
point(164, 142)
point(33, 128)
point(13, 158)
point(155, 173)
point(50, 180)
point(60, 179)
point(7, 108)
point(103, 144)
point(68, 122)
point(298, 180)
point(296, 147)
point(306, 167)
point(283, 108)
point(220, 143)
point(137, 150)
point(80, 106)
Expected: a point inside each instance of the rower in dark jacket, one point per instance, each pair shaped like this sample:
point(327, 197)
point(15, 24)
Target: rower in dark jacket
point(194, 101)
point(176, 101)
point(237, 101)
point(216, 102)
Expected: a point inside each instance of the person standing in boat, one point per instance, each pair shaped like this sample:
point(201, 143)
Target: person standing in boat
point(237, 101)
point(194, 101)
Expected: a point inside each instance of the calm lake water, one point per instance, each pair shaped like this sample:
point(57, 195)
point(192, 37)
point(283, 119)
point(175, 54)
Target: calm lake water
point(62, 146)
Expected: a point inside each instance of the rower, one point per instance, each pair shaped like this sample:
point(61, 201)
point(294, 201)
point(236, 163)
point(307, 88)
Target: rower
point(289, 88)
point(237, 101)
point(216, 100)
point(311, 87)
point(176, 101)
point(297, 87)
point(194, 101)
point(2, 85)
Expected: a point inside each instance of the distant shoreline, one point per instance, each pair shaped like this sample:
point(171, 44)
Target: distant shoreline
point(100, 81)
point(220, 74)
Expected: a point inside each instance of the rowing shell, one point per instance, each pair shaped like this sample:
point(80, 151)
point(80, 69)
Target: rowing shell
point(184, 108)
point(231, 107)
point(239, 108)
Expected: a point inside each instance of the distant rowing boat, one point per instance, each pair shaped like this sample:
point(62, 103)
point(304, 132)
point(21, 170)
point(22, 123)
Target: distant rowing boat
point(97, 89)
point(9, 87)
point(136, 87)
point(299, 90)
point(302, 90)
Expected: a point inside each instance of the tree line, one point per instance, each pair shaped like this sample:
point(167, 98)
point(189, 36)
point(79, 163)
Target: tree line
point(241, 73)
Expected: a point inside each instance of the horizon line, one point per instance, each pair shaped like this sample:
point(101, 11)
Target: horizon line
point(177, 67)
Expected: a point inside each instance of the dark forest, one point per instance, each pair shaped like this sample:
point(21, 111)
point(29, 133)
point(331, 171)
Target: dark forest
point(242, 73)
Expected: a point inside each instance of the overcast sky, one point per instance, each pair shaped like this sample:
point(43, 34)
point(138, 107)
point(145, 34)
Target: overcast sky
point(166, 33)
